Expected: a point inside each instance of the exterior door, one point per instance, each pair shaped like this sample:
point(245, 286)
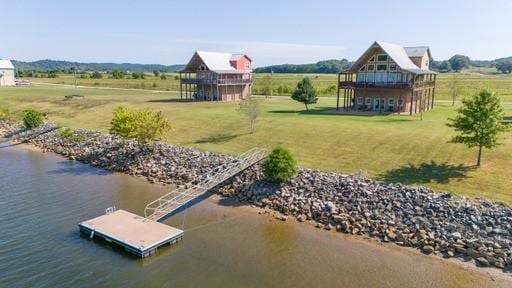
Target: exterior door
point(376, 104)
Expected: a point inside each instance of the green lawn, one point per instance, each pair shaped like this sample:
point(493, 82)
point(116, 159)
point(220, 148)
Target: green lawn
point(469, 82)
point(393, 148)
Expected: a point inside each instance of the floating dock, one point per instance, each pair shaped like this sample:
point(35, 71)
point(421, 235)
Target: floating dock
point(142, 236)
point(137, 235)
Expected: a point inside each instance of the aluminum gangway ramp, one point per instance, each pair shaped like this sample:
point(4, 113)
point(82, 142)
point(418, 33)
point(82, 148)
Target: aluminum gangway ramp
point(177, 198)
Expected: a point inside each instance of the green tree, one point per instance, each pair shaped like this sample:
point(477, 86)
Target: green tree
point(140, 125)
point(504, 67)
point(156, 73)
point(96, 75)
point(280, 165)
point(459, 62)
point(305, 92)
point(479, 121)
point(455, 87)
point(266, 85)
point(32, 119)
point(116, 74)
point(251, 107)
point(444, 66)
point(163, 77)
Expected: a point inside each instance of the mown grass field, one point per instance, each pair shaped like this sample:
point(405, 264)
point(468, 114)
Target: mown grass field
point(324, 83)
point(392, 148)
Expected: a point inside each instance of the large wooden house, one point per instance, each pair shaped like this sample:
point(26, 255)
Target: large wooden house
point(388, 78)
point(212, 76)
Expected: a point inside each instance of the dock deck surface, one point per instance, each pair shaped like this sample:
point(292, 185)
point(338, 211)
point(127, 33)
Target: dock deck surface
point(136, 234)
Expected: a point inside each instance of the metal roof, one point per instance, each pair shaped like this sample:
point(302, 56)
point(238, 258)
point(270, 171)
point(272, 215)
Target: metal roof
point(417, 51)
point(6, 64)
point(214, 61)
point(397, 54)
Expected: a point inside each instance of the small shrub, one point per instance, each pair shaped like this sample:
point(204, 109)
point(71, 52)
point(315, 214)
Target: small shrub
point(280, 165)
point(4, 113)
point(32, 119)
point(141, 125)
point(65, 133)
point(154, 85)
point(96, 75)
point(163, 77)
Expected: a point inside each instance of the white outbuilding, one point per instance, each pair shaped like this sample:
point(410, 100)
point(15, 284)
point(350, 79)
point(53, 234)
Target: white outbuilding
point(6, 73)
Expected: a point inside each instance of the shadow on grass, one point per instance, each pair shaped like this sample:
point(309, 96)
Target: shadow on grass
point(426, 173)
point(172, 100)
point(330, 111)
point(217, 139)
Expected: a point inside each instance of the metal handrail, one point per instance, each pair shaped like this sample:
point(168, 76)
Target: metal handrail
point(173, 200)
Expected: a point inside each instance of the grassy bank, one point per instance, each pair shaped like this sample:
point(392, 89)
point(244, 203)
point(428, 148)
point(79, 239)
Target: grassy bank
point(393, 148)
point(283, 84)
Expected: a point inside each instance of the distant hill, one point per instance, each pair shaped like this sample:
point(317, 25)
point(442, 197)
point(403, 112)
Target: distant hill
point(55, 65)
point(326, 66)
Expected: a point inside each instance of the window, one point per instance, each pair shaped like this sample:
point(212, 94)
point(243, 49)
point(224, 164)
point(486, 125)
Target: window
point(372, 59)
point(382, 67)
point(392, 67)
point(368, 101)
point(382, 58)
point(391, 102)
point(363, 68)
point(400, 102)
point(247, 65)
point(371, 67)
point(359, 100)
point(370, 77)
point(360, 77)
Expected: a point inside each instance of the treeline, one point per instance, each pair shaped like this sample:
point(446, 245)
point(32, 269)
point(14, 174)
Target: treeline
point(327, 67)
point(55, 65)
point(114, 74)
point(456, 63)
point(459, 62)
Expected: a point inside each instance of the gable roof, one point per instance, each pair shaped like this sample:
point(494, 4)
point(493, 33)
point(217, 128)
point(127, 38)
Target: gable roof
point(6, 64)
point(397, 53)
point(215, 61)
point(417, 51)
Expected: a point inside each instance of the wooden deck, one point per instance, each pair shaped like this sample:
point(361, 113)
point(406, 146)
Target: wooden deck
point(138, 235)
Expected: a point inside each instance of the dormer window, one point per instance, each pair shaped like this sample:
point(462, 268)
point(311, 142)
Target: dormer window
point(382, 58)
point(202, 67)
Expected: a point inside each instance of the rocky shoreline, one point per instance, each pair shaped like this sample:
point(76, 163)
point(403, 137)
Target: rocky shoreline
point(435, 223)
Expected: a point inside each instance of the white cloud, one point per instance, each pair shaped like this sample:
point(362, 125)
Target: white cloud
point(263, 53)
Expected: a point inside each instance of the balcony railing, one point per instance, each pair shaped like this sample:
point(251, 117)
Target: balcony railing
point(389, 85)
point(204, 81)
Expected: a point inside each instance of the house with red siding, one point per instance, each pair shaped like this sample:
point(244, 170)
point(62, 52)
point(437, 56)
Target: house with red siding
point(213, 76)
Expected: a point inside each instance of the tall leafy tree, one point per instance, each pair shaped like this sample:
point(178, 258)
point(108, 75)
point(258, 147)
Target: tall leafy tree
point(479, 121)
point(459, 62)
point(305, 92)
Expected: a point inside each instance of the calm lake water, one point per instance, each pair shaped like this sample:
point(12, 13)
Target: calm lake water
point(43, 197)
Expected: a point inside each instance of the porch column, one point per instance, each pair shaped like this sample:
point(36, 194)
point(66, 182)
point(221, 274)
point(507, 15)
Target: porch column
point(338, 94)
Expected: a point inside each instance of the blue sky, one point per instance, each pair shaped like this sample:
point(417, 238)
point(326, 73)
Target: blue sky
point(272, 32)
